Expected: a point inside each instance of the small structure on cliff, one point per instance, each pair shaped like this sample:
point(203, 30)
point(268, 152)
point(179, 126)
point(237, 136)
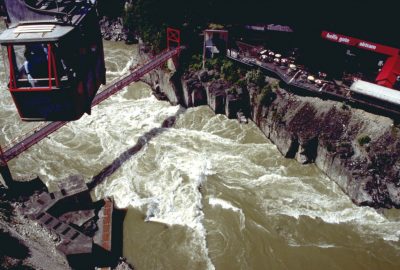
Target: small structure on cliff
point(215, 43)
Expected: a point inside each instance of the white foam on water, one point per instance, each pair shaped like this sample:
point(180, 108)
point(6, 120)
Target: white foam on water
point(132, 60)
point(392, 238)
point(326, 246)
point(287, 195)
point(293, 197)
point(228, 206)
point(223, 204)
point(181, 201)
point(280, 194)
point(170, 194)
point(320, 245)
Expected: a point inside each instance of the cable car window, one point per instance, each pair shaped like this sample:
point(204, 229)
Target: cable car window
point(65, 61)
point(19, 54)
point(32, 66)
point(35, 66)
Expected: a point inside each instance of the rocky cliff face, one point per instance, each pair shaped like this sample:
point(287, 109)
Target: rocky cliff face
point(358, 150)
point(111, 21)
point(112, 29)
point(164, 85)
point(165, 81)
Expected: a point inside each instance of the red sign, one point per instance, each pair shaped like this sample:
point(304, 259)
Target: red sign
point(362, 44)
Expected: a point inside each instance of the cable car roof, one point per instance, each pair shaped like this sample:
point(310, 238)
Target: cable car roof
point(66, 11)
point(38, 32)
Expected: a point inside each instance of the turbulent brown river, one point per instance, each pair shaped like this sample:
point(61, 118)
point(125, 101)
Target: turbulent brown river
point(208, 193)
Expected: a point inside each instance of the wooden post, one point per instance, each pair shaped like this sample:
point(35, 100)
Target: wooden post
point(5, 171)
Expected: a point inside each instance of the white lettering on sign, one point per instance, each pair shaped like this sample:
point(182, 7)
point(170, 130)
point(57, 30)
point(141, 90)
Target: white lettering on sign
point(344, 40)
point(367, 45)
point(332, 36)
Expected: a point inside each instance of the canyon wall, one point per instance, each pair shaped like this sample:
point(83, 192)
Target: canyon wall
point(358, 150)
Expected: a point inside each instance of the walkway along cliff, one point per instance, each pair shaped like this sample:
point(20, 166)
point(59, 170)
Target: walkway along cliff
point(358, 150)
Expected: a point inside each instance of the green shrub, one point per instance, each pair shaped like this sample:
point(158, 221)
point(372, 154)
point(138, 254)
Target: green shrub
point(363, 140)
point(256, 77)
point(232, 77)
point(267, 95)
point(195, 62)
point(274, 85)
point(196, 58)
point(195, 67)
point(215, 63)
point(344, 106)
point(241, 72)
point(229, 71)
point(232, 91)
point(242, 83)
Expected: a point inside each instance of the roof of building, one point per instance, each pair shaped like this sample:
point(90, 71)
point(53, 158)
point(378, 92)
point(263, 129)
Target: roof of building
point(376, 91)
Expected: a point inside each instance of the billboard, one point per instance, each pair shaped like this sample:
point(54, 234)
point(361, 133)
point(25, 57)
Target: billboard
point(362, 44)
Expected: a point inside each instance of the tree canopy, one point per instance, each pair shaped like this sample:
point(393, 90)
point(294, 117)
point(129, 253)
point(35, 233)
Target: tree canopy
point(365, 19)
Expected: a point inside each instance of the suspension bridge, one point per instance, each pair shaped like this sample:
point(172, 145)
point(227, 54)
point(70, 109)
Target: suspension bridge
point(22, 145)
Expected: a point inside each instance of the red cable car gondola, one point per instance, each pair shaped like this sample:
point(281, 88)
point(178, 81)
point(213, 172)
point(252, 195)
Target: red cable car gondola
point(54, 53)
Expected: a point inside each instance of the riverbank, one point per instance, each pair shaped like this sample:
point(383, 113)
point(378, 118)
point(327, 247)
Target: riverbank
point(24, 243)
point(59, 230)
point(358, 150)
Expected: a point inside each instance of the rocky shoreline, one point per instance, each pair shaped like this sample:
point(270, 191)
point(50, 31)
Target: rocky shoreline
point(358, 150)
point(24, 243)
point(31, 241)
point(113, 29)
